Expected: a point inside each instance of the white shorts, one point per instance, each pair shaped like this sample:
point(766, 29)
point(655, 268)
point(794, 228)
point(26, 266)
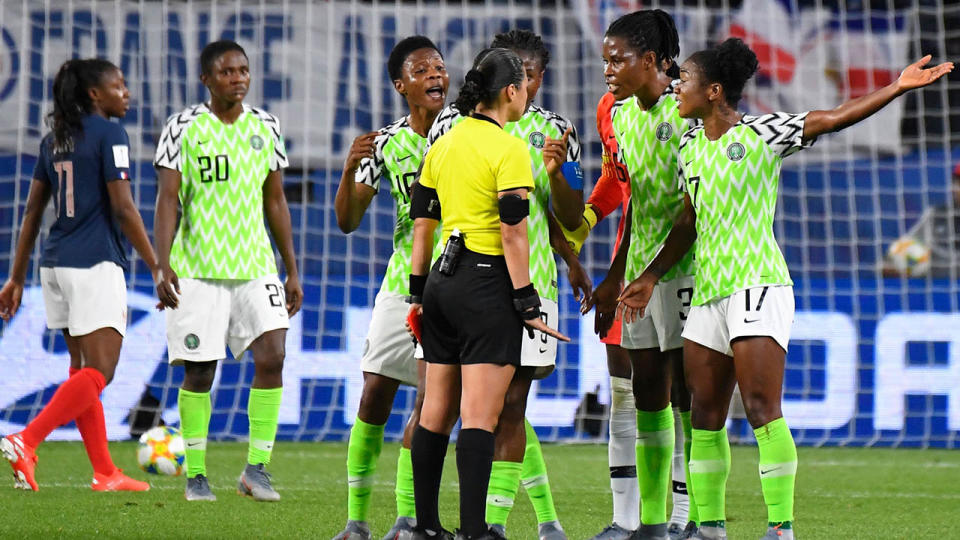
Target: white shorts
point(388, 350)
point(85, 299)
point(541, 349)
point(216, 313)
point(719, 322)
point(664, 318)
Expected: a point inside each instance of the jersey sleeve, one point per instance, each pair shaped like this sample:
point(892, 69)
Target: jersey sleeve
point(782, 132)
point(40, 169)
point(573, 141)
point(442, 124)
point(169, 146)
point(279, 158)
point(370, 170)
point(115, 153)
point(514, 170)
point(607, 195)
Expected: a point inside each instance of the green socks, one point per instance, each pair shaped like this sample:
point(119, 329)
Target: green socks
point(778, 469)
point(709, 467)
point(534, 478)
point(504, 482)
point(687, 429)
point(194, 421)
point(404, 489)
point(655, 440)
point(263, 410)
point(366, 441)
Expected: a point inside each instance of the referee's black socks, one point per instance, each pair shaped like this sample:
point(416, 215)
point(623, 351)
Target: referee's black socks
point(427, 451)
point(474, 459)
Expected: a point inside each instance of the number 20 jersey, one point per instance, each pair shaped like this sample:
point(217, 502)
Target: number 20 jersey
point(223, 168)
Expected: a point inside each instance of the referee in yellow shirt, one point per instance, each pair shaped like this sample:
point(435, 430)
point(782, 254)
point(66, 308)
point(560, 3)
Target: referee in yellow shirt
point(478, 296)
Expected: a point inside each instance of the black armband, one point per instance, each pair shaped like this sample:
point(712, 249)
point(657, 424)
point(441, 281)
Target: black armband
point(424, 203)
point(527, 302)
point(417, 284)
point(513, 208)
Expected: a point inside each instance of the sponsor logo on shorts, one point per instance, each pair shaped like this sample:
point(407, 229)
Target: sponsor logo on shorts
point(191, 342)
point(256, 142)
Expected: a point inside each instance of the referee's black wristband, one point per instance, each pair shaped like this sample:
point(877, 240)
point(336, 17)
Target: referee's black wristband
point(527, 302)
point(417, 284)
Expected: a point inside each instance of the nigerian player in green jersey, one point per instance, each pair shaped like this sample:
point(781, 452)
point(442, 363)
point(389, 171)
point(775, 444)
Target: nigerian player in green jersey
point(739, 326)
point(549, 136)
point(223, 161)
point(392, 153)
point(639, 51)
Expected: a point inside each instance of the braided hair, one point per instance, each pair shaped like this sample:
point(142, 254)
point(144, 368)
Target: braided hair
point(493, 70)
point(523, 40)
point(650, 30)
point(71, 99)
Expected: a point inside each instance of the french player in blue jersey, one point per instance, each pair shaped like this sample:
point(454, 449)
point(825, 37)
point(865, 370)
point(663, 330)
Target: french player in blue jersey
point(84, 166)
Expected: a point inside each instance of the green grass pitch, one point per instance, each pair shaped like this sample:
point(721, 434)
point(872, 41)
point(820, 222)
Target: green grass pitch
point(842, 493)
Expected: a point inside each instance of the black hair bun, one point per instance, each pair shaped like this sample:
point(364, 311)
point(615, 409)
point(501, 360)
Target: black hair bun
point(736, 60)
point(476, 77)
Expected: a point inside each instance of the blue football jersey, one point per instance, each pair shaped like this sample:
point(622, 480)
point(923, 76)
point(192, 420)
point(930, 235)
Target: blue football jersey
point(85, 232)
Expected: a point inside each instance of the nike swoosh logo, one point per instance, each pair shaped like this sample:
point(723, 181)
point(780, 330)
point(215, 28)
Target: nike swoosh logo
point(612, 137)
point(201, 143)
point(749, 321)
point(191, 445)
point(542, 350)
point(768, 471)
point(404, 158)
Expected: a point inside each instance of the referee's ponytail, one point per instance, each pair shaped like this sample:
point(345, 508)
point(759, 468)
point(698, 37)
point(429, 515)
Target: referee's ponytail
point(493, 70)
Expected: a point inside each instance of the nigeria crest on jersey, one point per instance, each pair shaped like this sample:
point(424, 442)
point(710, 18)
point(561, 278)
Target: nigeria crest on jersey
point(664, 131)
point(735, 152)
point(537, 139)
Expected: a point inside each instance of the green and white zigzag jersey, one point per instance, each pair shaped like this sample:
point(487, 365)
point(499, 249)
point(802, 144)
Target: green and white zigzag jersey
point(534, 127)
point(223, 169)
point(398, 152)
point(733, 183)
point(648, 141)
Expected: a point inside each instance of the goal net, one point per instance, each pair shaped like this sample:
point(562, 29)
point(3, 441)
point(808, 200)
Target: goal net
point(875, 355)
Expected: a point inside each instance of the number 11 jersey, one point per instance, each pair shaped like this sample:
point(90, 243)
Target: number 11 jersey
point(223, 168)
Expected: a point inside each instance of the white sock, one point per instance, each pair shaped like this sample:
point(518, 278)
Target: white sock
point(681, 501)
point(623, 454)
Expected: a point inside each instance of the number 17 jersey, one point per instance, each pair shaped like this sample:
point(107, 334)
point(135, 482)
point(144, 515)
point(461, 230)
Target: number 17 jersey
point(223, 168)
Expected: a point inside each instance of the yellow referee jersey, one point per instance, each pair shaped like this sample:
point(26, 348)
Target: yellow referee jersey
point(468, 167)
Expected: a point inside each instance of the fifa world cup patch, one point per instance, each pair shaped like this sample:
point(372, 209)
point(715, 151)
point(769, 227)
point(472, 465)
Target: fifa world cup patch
point(736, 151)
point(191, 342)
point(664, 131)
point(256, 142)
point(537, 139)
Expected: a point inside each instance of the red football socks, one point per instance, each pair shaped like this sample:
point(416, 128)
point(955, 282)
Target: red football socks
point(93, 429)
point(71, 400)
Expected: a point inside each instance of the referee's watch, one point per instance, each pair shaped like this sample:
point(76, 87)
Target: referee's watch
point(417, 284)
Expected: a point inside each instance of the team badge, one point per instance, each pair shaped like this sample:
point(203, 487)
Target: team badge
point(256, 142)
point(191, 341)
point(736, 151)
point(537, 139)
point(664, 131)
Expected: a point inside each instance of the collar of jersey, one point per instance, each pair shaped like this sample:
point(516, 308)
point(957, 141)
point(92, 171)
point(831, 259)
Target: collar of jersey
point(206, 109)
point(485, 118)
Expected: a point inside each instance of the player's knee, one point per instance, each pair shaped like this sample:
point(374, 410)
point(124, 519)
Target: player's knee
point(198, 376)
point(760, 408)
point(269, 361)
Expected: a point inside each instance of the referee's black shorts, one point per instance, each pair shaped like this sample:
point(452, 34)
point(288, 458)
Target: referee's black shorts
point(469, 318)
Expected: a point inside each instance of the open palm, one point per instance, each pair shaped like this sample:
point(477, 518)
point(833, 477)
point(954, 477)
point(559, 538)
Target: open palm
point(916, 76)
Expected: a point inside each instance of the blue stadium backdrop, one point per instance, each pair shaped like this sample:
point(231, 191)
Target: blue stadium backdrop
point(873, 361)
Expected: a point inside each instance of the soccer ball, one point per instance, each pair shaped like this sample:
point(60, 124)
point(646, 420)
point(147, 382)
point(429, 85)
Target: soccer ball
point(910, 257)
point(161, 451)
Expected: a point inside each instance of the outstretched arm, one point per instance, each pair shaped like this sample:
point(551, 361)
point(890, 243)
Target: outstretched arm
point(278, 218)
point(914, 76)
point(12, 291)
